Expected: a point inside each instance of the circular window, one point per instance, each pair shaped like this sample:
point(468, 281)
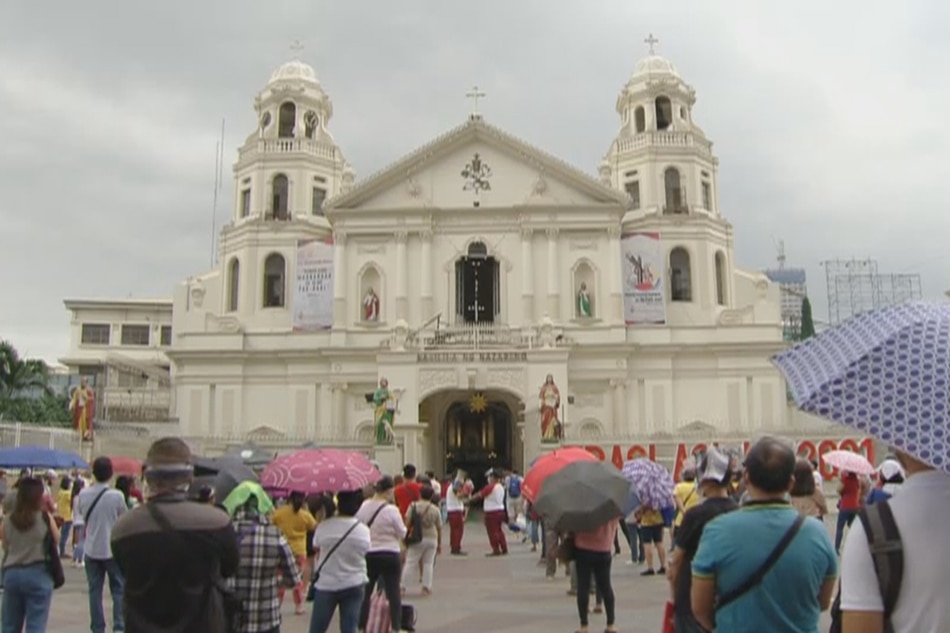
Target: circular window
point(265, 120)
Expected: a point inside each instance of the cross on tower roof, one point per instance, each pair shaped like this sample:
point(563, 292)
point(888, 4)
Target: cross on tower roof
point(651, 42)
point(296, 48)
point(474, 95)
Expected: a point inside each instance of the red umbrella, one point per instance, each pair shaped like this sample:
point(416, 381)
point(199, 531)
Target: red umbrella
point(319, 470)
point(548, 464)
point(126, 466)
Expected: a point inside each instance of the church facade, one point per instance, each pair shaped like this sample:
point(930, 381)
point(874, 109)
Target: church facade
point(469, 274)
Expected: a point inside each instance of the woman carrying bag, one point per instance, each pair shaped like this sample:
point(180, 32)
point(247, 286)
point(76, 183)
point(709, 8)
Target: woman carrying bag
point(424, 547)
point(28, 579)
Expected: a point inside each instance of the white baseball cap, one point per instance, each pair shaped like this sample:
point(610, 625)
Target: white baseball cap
point(714, 466)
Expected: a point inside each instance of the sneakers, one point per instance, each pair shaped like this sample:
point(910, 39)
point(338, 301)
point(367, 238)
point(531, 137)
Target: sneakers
point(661, 571)
point(648, 572)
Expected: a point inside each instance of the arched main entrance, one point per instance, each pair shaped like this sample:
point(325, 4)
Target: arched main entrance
point(473, 431)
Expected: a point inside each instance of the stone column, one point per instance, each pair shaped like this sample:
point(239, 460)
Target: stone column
point(340, 279)
point(620, 407)
point(401, 264)
point(527, 277)
point(325, 412)
point(425, 281)
point(554, 282)
point(340, 425)
point(614, 279)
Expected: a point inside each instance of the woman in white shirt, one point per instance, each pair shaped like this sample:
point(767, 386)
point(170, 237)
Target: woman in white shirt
point(495, 513)
point(383, 560)
point(342, 571)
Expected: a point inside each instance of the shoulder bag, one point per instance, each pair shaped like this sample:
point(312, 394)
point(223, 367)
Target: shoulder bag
point(887, 552)
point(54, 563)
point(95, 502)
point(414, 535)
point(760, 573)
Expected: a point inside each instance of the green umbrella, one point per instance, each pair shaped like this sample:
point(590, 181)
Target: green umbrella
point(248, 490)
point(582, 496)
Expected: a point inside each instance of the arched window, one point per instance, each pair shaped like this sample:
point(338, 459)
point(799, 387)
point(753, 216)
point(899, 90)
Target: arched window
point(234, 277)
point(281, 195)
point(310, 122)
point(720, 278)
point(274, 281)
point(640, 117)
point(674, 193)
point(664, 113)
point(680, 284)
point(287, 120)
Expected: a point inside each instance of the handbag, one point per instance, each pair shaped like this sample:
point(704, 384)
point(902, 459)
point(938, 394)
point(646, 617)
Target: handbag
point(54, 563)
point(669, 618)
point(407, 617)
point(565, 549)
point(378, 620)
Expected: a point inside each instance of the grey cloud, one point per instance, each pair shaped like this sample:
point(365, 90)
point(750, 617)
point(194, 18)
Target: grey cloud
point(828, 120)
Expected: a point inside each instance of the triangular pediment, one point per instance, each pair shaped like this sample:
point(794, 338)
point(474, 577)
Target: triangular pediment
point(476, 163)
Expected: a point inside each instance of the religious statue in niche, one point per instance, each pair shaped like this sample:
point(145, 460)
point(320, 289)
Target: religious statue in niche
point(584, 309)
point(476, 175)
point(385, 405)
point(549, 402)
point(371, 306)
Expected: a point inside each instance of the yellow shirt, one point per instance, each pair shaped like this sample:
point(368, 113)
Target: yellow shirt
point(651, 518)
point(687, 494)
point(295, 526)
point(64, 505)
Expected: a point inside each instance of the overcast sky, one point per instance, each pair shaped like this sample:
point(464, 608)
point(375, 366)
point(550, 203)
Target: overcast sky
point(828, 119)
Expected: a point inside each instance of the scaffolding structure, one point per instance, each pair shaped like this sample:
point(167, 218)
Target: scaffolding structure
point(793, 288)
point(856, 286)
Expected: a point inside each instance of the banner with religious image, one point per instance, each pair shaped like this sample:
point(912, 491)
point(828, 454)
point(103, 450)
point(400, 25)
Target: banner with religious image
point(643, 273)
point(313, 290)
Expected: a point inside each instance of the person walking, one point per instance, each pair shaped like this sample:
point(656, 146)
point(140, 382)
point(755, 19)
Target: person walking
point(849, 501)
point(383, 559)
point(592, 561)
point(64, 509)
point(175, 553)
point(890, 476)
point(455, 496)
point(265, 558)
point(27, 583)
point(651, 538)
point(79, 527)
point(494, 509)
point(295, 520)
point(342, 543)
point(101, 507)
point(431, 544)
point(764, 567)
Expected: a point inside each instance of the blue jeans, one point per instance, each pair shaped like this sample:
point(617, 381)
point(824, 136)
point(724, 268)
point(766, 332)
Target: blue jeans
point(80, 542)
point(533, 529)
point(326, 602)
point(64, 533)
point(96, 571)
point(636, 543)
point(27, 592)
point(845, 517)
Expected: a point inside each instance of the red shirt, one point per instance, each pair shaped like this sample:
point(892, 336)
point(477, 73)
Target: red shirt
point(850, 492)
point(405, 494)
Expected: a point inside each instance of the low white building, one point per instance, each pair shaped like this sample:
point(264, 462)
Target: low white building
point(457, 273)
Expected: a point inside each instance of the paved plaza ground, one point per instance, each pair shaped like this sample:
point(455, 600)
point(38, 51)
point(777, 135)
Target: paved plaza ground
point(474, 594)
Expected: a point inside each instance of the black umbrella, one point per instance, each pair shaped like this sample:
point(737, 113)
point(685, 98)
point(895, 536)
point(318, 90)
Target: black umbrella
point(582, 496)
point(221, 473)
point(252, 455)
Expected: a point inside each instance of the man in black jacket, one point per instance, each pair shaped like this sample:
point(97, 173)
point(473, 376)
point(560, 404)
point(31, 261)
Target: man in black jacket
point(173, 552)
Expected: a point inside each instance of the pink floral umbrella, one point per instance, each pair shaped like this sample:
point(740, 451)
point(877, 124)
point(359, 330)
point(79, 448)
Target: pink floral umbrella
point(849, 461)
point(319, 470)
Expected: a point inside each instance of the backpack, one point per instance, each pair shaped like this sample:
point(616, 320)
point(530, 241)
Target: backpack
point(414, 535)
point(514, 487)
point(887, 552)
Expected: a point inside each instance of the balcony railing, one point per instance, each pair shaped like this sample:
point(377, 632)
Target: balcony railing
point(288, 145)
point(472, 336)
point(684, 139)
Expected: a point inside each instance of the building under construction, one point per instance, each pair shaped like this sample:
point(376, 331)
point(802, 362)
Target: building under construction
point(793, 288)
point(856, 285)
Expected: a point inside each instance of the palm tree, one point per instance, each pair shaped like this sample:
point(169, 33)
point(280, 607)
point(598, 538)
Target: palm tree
point(20, 375)
point(808, 323)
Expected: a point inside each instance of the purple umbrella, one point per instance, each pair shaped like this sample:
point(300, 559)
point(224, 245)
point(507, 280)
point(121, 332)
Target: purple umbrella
point(319, 470)
point(654, 483)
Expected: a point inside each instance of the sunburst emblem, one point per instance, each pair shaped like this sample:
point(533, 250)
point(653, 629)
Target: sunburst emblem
point(478, 403)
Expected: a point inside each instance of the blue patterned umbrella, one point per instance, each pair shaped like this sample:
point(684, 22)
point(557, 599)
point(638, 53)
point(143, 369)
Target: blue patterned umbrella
point(654, 484)
point(885, 372)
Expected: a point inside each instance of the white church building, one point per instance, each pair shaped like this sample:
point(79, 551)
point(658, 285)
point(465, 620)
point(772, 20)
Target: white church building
point(465, 273)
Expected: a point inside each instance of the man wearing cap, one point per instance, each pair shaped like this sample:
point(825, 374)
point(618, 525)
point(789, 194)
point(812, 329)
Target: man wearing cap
point(100, 508)
point(175, 552)
point(715, 479)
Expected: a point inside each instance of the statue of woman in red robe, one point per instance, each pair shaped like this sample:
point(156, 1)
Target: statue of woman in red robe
point(549, 401)
point(83, 407)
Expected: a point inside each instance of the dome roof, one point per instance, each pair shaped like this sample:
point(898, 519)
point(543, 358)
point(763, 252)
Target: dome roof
point(294, 70)
point(655, 65)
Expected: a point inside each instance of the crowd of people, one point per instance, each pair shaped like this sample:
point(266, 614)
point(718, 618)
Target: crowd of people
point(742, 545)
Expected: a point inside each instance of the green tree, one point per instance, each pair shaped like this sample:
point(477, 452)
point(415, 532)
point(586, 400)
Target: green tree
point(25, 394)
point(808, 323)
